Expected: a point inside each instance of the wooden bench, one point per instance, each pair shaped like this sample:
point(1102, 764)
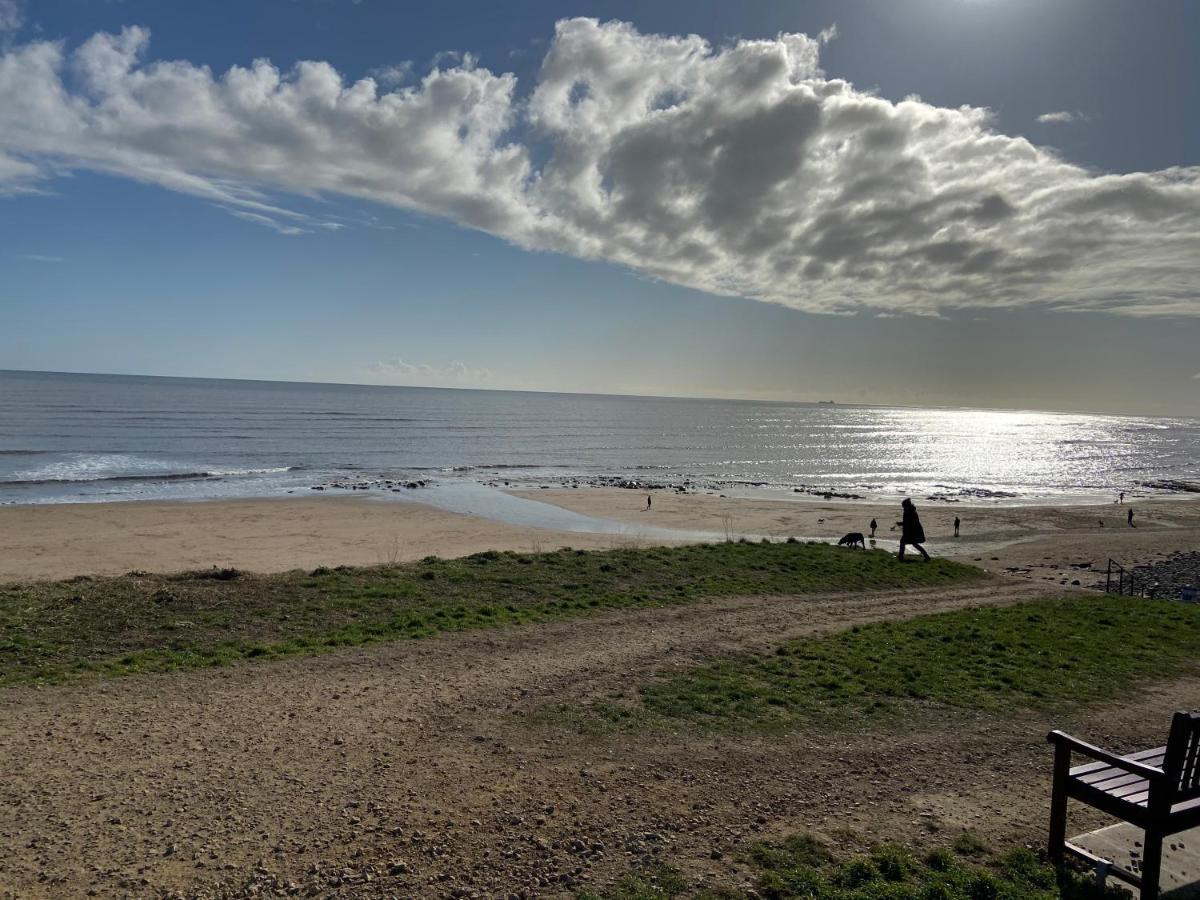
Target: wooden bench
point(1156, 790)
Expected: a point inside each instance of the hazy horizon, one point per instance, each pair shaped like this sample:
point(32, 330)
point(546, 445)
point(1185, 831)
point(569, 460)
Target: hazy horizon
point(765, 400)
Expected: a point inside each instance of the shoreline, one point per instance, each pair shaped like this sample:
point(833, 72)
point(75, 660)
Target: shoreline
point(411, 484)
point(52, 541)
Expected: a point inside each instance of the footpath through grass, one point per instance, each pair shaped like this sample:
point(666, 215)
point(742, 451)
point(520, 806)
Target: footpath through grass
point(802, 868)
point(990, 659)
point(50, 631)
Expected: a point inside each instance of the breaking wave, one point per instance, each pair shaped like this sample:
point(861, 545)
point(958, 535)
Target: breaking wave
point(160, 476)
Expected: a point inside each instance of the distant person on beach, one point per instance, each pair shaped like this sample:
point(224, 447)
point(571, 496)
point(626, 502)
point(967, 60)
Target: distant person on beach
point(911, 531)
point(1121, 497)
point(874, 525)
point(956, 523)
point(647, 501)
point(1129, 518)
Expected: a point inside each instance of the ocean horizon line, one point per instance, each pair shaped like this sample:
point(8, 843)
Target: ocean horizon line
point(616, 396)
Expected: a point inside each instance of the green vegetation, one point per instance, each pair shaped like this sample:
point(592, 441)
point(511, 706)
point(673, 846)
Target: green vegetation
point(656, 883)
point(50, 631)
point(990, 659)
point(802, 867)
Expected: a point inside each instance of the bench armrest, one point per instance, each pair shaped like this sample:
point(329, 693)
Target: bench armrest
point(1073, 744)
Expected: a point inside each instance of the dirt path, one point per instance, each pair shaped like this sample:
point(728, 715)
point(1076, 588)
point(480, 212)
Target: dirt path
point(407, 770)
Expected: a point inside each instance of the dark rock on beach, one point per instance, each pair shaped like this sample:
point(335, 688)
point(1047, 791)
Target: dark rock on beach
point(1176, 486)
point(1169, 578)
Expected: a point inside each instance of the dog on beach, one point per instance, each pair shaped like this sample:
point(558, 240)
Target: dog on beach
point(852, 539)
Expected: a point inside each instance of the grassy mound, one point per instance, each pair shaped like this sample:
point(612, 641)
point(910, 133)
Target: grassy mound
point(802, 867)
point(114, 626)
point(989, 659)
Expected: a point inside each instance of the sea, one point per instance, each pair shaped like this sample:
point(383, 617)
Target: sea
point(73, 438)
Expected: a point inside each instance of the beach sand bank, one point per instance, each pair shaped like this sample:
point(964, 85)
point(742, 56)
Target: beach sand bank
point(271, 535)
point(60, 541)
point(1045, 540)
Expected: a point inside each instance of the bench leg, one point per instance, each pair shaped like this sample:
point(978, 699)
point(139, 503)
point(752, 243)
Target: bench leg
point(1058, 803)
point(1151, 864)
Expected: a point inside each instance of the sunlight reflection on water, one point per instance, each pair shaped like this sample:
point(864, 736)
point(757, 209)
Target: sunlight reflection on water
point(69, 437)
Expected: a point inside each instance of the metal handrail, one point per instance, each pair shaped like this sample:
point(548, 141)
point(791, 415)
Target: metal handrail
point(1127, 581)
point(1108, 577)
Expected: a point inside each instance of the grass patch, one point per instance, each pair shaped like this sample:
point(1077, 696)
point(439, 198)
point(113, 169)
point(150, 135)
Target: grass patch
point(650, 883)
point(51, 631)
point(802, 867)
point(989, 659)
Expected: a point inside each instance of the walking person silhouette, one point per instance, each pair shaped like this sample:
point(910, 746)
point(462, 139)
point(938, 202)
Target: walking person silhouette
point(911, 531)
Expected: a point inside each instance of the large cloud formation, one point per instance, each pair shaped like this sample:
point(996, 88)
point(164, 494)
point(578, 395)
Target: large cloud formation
point(743, 170)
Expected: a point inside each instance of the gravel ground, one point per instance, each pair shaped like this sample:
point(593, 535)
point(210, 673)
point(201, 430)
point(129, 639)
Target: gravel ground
point(419, 769)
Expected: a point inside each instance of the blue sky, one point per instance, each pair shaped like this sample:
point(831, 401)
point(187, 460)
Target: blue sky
point(146, 235)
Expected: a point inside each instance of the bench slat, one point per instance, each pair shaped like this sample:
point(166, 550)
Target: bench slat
point(1152, 757)
point(1128, 791)
point(1110, 781)
point(1189, 776)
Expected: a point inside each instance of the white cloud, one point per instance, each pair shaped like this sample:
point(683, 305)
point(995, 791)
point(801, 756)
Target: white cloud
point(453, 59)
point(40, 257)
point(18, 176)
point(394, 75)
point(431, 148)
point(12, 15)
point(742, 170)
point(268, 221)
point(1062, 117)
point(454, 372)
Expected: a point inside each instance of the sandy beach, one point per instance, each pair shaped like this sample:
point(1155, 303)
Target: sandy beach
point(60, 541)
point(1041, 539)
point(271, 535)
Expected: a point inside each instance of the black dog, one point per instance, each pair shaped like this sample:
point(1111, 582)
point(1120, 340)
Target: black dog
point(853, 538)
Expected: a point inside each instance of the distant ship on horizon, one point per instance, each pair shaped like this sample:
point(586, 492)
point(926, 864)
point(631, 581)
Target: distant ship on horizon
point(827, 402)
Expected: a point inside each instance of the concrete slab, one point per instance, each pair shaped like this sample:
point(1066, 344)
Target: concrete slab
point(1122, 845)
